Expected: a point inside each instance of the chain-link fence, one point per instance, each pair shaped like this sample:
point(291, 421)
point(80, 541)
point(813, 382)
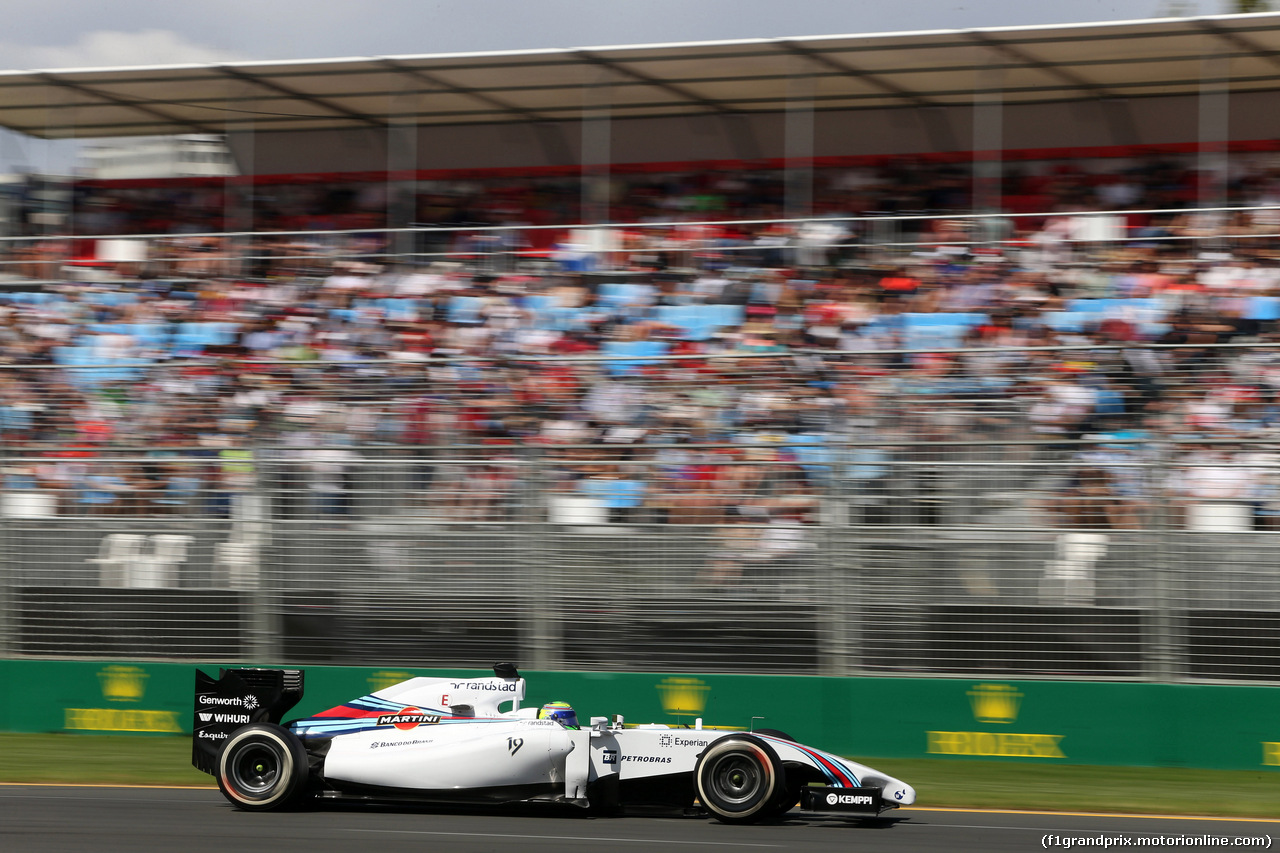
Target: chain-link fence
point(1100, 512)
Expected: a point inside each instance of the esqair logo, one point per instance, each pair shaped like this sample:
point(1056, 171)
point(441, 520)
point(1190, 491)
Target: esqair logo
point(995, 704)
point(408, 718)
point(121, 684)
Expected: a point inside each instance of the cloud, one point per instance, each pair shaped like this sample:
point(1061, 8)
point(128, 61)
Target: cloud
point(112, 48)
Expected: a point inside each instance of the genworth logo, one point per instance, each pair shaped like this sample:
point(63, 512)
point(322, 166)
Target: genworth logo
point(995, 705)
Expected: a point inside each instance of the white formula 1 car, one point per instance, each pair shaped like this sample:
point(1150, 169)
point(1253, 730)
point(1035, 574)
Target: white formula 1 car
point(468, 740)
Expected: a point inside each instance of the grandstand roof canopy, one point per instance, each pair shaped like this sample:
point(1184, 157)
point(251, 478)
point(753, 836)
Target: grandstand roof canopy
point(1102, 61)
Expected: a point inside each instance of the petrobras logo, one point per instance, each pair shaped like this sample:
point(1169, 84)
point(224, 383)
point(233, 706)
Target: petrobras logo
point(488, 686)
point(648, 759)
point(213, 735)
point(609, 756)
point(247, 702)
point(850, 800)
point(408, 718)
point(223, 718)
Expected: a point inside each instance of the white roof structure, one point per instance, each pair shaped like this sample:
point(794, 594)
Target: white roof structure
point(1121, 61)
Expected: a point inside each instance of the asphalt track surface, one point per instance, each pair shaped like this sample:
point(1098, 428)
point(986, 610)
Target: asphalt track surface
point(45, 819)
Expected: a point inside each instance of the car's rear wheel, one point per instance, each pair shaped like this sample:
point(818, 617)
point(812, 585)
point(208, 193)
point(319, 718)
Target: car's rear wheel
point(738, 779)
point(262, 767)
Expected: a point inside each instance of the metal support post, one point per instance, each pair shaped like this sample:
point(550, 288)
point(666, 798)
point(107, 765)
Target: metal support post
point(798, 140)
point(402, 173)
point(988, 140)
point(1212, 135)
point(597, 147)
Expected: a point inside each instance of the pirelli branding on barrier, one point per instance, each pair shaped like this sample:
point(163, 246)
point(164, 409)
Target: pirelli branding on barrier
point(123, 688)
point(995, 705)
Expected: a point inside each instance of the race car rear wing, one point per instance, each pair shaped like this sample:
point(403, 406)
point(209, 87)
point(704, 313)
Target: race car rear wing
point(236, 698)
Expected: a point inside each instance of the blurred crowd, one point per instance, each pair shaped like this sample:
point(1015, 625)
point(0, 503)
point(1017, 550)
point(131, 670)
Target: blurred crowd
point(719, 375)
point(1143, 179)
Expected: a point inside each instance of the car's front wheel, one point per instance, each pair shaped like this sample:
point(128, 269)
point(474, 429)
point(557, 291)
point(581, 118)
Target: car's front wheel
point(262, 767)
point(788, 794)
point(738, 779)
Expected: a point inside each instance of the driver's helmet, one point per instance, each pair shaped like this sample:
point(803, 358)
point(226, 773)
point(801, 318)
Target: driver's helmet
point(561, 712)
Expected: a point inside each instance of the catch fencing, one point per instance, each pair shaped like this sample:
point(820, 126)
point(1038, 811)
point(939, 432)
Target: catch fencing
point(1080, 512)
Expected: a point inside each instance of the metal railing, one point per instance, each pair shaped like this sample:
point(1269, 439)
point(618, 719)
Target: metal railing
point(1056, 512)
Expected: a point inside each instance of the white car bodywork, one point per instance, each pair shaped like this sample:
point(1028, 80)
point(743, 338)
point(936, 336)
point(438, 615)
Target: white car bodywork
point(468, 739)
point(412, 736)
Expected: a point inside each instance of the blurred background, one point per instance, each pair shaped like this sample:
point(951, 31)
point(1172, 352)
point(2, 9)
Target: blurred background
point(933, 352)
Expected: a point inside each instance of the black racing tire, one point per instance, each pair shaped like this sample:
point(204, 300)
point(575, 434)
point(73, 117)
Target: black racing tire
point(739, 779)
point(262, 767)
point(788, 794)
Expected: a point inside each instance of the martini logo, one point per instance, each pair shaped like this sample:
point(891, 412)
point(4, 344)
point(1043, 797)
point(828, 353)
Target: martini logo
point(683, 697)
point(408, 718)
point(995, 703)
point(123, 683)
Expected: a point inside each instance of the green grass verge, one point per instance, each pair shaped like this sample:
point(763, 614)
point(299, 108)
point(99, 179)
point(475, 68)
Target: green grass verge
point(98, 759)
point(1060, 787)
point(94, 759)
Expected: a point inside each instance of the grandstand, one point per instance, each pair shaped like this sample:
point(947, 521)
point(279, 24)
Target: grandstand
point(860, 364)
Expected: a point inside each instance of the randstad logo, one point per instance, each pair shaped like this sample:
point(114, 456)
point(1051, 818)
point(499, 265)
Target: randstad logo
point(123, 683)
point(683, 696)
point(995, 703)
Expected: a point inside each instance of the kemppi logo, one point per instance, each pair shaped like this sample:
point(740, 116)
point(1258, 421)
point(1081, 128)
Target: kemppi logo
point(850, 800)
